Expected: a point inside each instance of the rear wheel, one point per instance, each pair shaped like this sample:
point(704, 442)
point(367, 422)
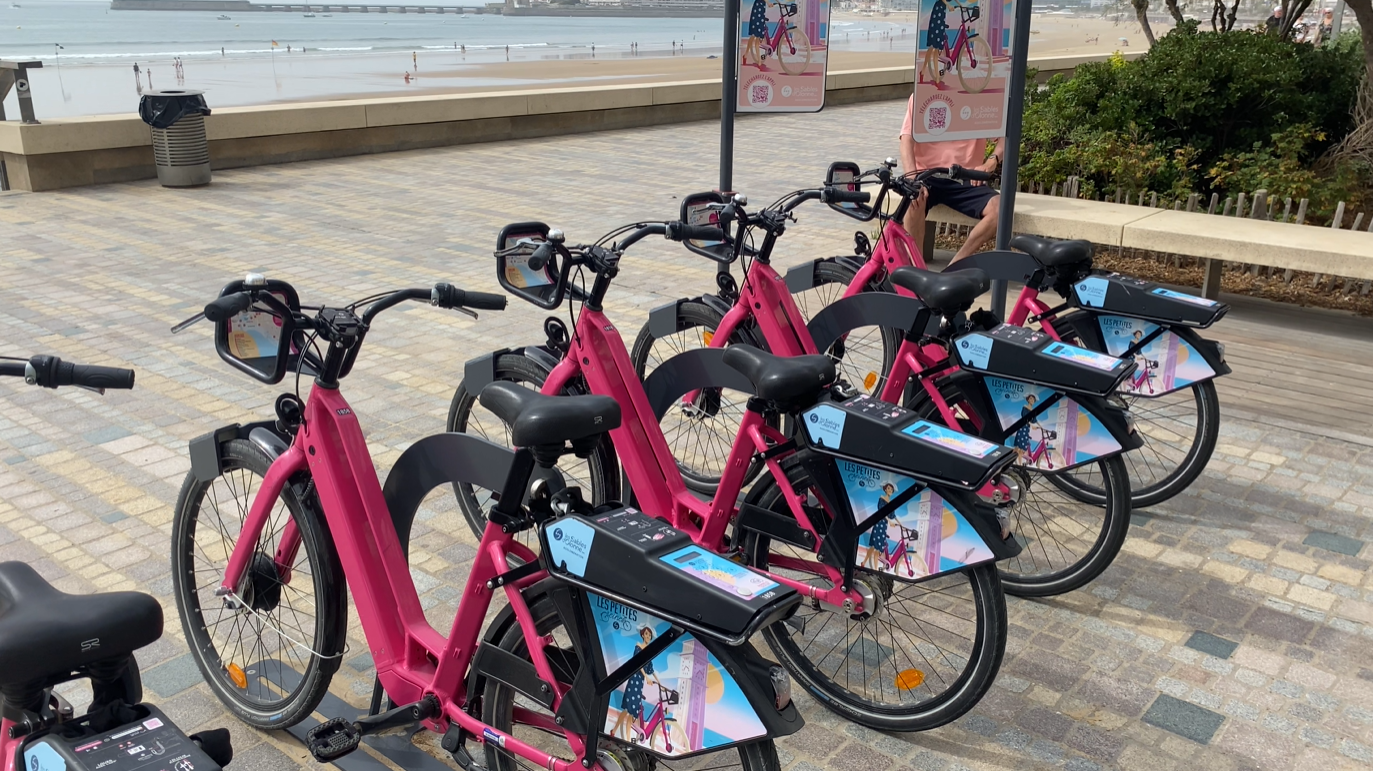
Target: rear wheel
point(1066, 541)
point(597, 475)
point(523, 718)
point(270, 651)
point(926, 655)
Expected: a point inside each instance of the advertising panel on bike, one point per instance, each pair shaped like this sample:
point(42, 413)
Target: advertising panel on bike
point(1166, 361)
point(783, 53)
point(962, 62)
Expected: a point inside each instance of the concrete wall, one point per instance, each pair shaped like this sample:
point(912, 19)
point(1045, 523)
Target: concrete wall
point(73, 152)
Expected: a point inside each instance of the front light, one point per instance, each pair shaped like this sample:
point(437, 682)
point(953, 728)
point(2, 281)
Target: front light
point(781, 687)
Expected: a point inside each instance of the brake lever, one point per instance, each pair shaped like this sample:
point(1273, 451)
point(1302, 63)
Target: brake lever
point(473, 314)
point(188, 322)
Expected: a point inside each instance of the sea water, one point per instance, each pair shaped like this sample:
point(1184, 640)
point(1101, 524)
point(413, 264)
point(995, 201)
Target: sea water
point(89, 51)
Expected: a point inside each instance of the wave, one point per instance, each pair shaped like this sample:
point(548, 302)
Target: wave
point(501, 47)
point(348, 48)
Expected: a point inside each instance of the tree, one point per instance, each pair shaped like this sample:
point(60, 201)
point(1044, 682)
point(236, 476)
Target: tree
point(1292, 11)
point(1142, 13)
point(1174, 10)
point(1221, 19)
point(1363, 11)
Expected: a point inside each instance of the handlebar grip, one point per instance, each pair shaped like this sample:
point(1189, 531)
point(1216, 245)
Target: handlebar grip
point(485, 301)
point(836, 195)
point(92, 376)
point(958, 172)
point(11, 369)
point(227, 306)
point(541, 256)
point(685, 232)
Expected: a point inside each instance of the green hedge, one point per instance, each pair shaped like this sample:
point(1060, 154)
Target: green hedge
point(1201, 112)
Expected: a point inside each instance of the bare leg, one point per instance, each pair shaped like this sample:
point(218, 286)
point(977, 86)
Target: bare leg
point(983, 231)
point(915, 226)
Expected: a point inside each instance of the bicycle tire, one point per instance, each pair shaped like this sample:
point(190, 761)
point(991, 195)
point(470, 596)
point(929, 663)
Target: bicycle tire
point(1149, 487)
point(1031, 522)
point(985, 649)
point(983, 51)
point(241, 462)
point(602, 470)
point(498, 702)
point(800, 43)
point(719, 425)
point(831, 279)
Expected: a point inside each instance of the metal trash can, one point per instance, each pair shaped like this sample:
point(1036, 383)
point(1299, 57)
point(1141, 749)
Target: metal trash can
point(180, 147)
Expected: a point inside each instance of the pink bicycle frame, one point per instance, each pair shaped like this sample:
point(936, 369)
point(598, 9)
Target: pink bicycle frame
point(412, 658)
point(598, 353)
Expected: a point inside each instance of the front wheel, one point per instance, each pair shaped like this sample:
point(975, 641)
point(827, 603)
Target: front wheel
point(923, 657)
point(794, 54)
point(975, 66)
point(864, 356)
point(516, 715)
point(270, 651)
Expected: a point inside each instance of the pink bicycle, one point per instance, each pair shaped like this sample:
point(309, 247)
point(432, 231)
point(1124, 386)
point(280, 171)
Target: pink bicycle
point(1109, 313)
point(918, 654)
point(968, 54)
point(278, 520)
point(787, 42)
point(1074, 537)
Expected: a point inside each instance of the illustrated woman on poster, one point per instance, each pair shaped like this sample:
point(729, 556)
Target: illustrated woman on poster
point(936, 39)
point(632, 700)
point(877, 537)
point(1022, 437)
point(757, 33)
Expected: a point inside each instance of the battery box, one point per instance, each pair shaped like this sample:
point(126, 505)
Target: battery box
point(1127, 296)
point(1014, 352)
point(150, 743)
point(646, 564)
point(891, 437)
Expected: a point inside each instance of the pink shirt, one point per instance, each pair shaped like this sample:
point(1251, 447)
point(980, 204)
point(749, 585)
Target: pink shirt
point(968, 153)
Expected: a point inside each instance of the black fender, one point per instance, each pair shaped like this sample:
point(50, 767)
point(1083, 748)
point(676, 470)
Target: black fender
point(207, 450)
point(436, 460)
point(690, 371)
point(998, 265)
point(801, 277)
point(866, 309)
point(1082, 322)
point(480, 372)
point(662, 321)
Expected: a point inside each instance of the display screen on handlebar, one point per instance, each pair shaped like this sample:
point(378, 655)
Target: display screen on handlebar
point(704, 209)
point(518, 271)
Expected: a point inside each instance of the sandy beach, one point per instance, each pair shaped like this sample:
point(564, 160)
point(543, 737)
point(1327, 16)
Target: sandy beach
point(71, 86)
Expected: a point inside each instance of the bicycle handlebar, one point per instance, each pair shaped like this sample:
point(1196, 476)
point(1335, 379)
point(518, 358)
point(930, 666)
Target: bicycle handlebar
point(227, 306)
point(958, 172)
point(542, 254)
point(836, 195)
point(52, 372)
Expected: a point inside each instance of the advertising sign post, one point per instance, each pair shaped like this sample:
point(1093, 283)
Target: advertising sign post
point(783, 52)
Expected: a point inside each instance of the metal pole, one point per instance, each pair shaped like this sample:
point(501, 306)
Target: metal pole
point(1337, 17)
point(1010, 174)
point(729, 73)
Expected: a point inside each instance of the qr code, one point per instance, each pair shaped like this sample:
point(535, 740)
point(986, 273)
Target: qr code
point(758, 94)
point(938, 116)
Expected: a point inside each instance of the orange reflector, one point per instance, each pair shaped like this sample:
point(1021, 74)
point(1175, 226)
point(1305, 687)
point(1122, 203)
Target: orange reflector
point(869, 380)
point(706, 337)
point(240, 679)
point(907, 679)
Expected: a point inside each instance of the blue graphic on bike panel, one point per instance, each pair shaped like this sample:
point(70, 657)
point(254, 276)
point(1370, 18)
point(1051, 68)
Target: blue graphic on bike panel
point(825, 425)
point(1082, 356)
point(954, 440)
point(974, 350)
point(719, 572)
point(1187, 298)
point(569, 545)
point(923, 537)
point(1166, 364)
point(1091, 291)
point(682, 701)
point(42, 757)
point(1060, 437)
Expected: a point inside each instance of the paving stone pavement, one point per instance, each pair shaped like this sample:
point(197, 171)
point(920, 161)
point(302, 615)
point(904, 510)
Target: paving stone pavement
point(1233, 632)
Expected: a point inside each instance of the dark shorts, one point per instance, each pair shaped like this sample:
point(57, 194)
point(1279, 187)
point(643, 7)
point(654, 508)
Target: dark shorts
point(968, 200)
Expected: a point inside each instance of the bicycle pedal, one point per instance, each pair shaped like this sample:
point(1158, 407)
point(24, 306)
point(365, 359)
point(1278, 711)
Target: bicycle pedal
point(333, 739)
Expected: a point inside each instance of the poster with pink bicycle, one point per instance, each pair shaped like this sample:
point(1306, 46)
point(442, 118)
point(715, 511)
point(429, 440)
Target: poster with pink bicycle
point(1166, 363)
point(963, 59)
point(783, 52)
point(922, 537)
point(1059, 437)
point(681, 701)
